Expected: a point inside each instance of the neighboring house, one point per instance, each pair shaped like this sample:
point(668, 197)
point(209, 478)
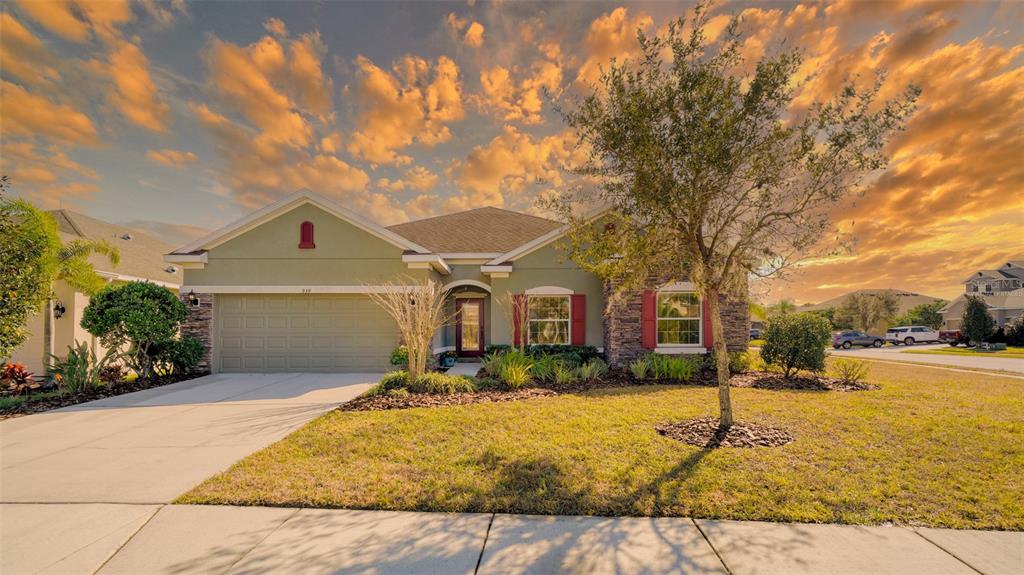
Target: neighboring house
point(907, 300)
point(141, 259)
point(285, 289)
point(1003, 292)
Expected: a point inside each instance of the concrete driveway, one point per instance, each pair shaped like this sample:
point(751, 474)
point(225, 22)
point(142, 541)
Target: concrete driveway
point(898, 353)
point(76, 482)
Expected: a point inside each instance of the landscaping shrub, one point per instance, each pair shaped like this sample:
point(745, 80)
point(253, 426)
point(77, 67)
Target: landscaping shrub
point(492, 363)
point(544, 367)
point(593, 369)
point(80, 370)
point(137, 314)
point(998, 336)
point(16, 378)
point(977, 323)
point(179, 356)
point(796, 341)
point(488, 383)
point(392, 381)
point(578, 354)
point(739, 362)
point(400, 357)
point(850, 371)
point(639, 367)
point(515, 369)
point(1015, 332)
point(676, 367)
point(442, 383)
point(497, 349)
point(564, 374)
point(113, 373)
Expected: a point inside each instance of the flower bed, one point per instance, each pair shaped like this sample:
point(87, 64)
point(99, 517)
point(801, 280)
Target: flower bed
point(47, 400)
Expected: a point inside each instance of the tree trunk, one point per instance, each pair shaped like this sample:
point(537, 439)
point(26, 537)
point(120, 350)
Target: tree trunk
point(721, 359)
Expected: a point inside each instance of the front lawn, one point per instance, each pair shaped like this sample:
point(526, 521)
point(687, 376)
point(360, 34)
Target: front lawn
point(1011, 352)
point(931, 447)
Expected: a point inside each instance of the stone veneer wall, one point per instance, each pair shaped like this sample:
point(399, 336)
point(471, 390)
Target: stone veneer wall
point(199, 324)
point(623, 324)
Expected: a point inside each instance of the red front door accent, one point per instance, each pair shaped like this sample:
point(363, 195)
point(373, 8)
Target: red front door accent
point(469, 327)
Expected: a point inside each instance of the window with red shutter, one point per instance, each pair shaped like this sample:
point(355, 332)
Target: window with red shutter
point(578, 330)
point(649, 319)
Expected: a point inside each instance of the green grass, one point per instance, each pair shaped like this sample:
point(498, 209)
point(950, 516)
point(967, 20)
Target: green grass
point(932, 447)
point(1010, 352)
point(756, 343)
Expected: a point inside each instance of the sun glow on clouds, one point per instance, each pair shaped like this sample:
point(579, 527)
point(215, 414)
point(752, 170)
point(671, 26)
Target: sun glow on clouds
point(465, 119)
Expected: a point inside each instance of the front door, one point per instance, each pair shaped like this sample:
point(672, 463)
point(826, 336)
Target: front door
point(469, 327)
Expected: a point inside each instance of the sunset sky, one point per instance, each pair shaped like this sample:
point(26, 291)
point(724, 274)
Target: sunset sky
point(180, 117)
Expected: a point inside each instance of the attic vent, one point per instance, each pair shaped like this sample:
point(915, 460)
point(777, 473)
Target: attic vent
point(171, 269)
point(126, 236)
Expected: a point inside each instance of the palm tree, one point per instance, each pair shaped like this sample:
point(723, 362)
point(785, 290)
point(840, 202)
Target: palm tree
point(74, 267)
point(783, 307)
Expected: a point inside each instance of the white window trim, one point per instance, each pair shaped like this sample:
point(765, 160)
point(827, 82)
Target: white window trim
point(568, 322)
point(549, 290)
point(671, 348)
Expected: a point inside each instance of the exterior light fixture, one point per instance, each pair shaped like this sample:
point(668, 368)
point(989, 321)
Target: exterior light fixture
point(193, 299)
point(58, 310)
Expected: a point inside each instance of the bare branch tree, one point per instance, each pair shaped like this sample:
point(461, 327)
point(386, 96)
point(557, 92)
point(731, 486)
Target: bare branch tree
point(515, 311)
point(418, 308)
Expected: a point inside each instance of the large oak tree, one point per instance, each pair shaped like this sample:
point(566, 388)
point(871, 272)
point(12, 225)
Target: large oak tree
point(709, 169)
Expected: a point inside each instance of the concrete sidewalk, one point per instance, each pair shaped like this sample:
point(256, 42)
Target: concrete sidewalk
point(141, 539)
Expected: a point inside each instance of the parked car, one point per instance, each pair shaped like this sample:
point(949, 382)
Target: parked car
point(755, 333)
point(911, 334)
point(847, 339)
point(953, 337)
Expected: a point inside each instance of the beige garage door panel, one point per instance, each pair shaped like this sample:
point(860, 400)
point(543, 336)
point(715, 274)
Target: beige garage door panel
point(284, 332)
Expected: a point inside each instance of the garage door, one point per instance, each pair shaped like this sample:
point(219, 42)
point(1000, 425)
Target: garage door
point(293, 332)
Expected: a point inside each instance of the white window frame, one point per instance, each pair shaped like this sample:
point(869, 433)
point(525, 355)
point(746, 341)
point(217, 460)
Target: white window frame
point(679, 347)
point(529, 320)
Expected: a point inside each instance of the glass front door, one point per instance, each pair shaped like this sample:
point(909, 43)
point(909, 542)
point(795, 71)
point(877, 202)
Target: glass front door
point(469, 328)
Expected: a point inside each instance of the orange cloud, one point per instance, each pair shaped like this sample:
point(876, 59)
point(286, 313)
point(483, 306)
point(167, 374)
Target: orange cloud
point(134, 93)
point(24, 55)
point(522, 100)
point(172, 158)
point(31, 114)
point(396, 110)
point(612, 35)
point(415, 178)
point(57, 17)
point(471, 33)
point(509, 164)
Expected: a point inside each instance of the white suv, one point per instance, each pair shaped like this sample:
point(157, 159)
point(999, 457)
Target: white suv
point(911, 334)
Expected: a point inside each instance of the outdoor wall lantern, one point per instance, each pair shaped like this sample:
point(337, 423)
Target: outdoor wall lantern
point(193, 298)
point(58, 310)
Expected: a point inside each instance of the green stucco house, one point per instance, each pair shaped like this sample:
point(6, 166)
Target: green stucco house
point(285, 289)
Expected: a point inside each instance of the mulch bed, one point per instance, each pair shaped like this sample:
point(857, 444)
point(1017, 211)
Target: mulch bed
point(614, 378)
point(704, 432)
point(48, 403)
point(384, 402)
point(769, 380)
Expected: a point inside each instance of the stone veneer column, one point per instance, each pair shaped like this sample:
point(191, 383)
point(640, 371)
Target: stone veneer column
point(623, 324)
point(199, 324)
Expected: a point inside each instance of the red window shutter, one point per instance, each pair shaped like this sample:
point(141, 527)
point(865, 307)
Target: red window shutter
point(709, 337)
point(649, 319)
point(578, 331)
point(306, 236)
point(518, 309)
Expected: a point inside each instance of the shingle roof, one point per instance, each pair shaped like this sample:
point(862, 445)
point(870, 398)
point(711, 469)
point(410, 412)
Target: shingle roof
point(141, 256)
point(481, 230)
